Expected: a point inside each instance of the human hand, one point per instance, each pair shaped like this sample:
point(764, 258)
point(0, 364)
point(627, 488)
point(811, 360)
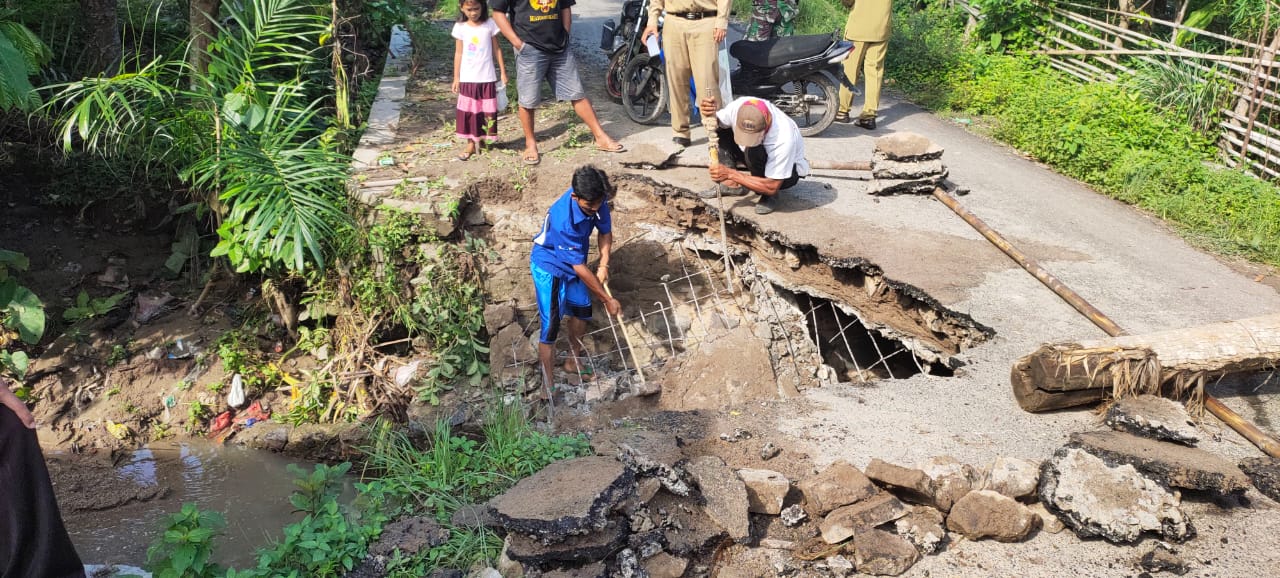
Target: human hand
point(719, 34)
point(11, 401)
point(520, 47)
point(602, 273)
point(454, 87)
point(504, 79)
point(720, 173)
point(707, 106)
point(649, 30)
point(613, 307)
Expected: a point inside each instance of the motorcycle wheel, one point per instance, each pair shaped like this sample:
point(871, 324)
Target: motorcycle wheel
point(613, 74)
point(820, 97)
point(644, 89)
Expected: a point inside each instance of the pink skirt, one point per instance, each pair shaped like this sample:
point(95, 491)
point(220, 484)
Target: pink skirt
point(478, 111)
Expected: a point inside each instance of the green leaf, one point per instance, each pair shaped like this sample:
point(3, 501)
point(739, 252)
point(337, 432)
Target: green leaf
point(14, 259)
point(27, 314)
point(183, 556)
point(16, 362)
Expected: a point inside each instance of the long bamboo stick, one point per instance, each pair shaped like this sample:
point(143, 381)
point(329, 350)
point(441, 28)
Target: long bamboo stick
point(635, 358)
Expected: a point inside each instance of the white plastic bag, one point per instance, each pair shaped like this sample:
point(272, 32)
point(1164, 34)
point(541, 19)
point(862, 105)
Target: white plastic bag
point(726, 85)
point(235, 398)
point(502, 96)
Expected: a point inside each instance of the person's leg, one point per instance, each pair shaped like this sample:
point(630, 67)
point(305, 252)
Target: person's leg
point(788, 10)
point(578, 310)
point(873, 70)
point(547, 289)
point(851, 66)
point(531, 69)
point(675, 48)
point(33, 538)
point(703, 61)
point(562, 72)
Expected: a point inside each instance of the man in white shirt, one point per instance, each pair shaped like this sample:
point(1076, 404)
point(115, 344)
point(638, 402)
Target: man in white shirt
point(753, 132)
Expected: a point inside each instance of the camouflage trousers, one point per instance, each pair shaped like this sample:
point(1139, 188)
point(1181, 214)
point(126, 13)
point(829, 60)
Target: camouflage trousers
point(771, 18)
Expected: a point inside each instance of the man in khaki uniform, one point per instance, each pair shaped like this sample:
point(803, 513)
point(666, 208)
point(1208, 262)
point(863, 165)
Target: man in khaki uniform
point(868, 28)
point(691, 38)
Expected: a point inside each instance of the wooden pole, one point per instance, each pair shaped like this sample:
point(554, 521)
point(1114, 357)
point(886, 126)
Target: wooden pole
point(635, 359)
point(709, 124)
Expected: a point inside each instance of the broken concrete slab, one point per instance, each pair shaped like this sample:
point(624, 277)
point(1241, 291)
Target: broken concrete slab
point(688, 532)
point(1170, 464)
point(921, 186)
point(951, 480)
point(1162, 558)
point(1264, 472)
point(566, 498)
point(891, 169)
point(646, 489)
point(988, 514)
point(880, 553)
point(906, 146)
point(923, 527)
point(766, 490)
point(650, 453)
point(1116, 503)
point(840, 484)
point(724, 494)
point(847, 521)
point(1154, 417)
point(592, 546)
point(1013, 477)
point(909, 484)
point(664, 565)
point(510, 346)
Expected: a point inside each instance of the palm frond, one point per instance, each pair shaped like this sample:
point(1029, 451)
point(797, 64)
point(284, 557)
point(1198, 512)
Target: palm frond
point(266, 37)
point(109, 115)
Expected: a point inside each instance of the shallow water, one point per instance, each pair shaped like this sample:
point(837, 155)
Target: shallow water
point(249, 487)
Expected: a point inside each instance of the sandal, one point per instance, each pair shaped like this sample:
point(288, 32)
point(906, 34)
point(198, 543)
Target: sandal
point(616, 148)
point(472, 148)
point(531, 160)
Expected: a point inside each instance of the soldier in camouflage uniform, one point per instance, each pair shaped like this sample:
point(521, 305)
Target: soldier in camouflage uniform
point(771, 18)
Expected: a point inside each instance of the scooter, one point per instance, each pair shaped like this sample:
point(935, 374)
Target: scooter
point(621, 41)
point(801, 75)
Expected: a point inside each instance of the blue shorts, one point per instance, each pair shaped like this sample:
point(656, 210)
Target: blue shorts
point(557, 298)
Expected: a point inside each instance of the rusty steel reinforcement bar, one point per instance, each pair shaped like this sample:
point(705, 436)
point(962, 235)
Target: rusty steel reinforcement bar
point(1256, 436)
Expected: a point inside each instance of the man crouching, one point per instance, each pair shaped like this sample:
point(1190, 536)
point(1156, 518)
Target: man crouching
point(561, 278)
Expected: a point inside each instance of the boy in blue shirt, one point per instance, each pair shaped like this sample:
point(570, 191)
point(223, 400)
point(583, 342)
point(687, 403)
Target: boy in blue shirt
point(561, 279)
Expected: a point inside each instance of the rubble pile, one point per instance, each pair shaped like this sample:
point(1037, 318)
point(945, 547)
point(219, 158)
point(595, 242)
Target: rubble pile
point(906, 163)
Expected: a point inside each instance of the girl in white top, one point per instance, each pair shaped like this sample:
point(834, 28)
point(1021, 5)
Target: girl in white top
point(474, 81)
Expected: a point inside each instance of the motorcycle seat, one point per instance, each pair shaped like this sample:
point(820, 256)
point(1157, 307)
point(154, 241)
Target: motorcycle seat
point(780, 50)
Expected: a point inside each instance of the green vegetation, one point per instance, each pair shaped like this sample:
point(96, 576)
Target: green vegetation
point(22, 318)
point(86, 307)
point(22, 53)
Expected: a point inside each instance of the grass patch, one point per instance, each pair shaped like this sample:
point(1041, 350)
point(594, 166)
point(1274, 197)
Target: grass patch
point(816, 16)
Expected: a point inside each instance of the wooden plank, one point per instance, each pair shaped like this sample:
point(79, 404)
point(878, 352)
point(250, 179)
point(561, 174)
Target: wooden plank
point(1174, 25)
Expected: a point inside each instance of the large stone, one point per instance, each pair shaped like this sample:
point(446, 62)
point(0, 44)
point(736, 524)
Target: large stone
point(497, 316)
point(909, 484)
point(566, 498)
point(724, 494)
point(587, 547)
point(922, 526)
point(1170, 464)
point(505, 565)
point(951, 480)
point(987, 514)
point(880, 553)
point(848, 521)
point(766, 490)
point(664, 565)
point(1264, 472)
point(1048, 522)
point(906, 146)
point(410, 536)
point(650, 453)
point(1153, 417)
point(265, 435)
point(510, 346)
point(1013, 477)
point(1116, 503)
point(840, 484)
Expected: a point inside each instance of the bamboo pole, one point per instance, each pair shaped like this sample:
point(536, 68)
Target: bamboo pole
point(626, 335)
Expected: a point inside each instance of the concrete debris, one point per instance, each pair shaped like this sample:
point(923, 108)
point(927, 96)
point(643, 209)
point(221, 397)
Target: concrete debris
point(769, 451)
point(1170, 464)
point(909, 484)
point(592, 570)
point(880, 553)
point(838, 485)
point(506, 566)
point(839, 565)
point(922, 526)
point(906, 146)
point(987, 514)
point(737, 435)
point(1116, 503)
point(688, 531)
point(951, 480)
point(586, 489)
point(1154, 417)
point(920, 186)
point(724, 494)
point(766, 490)
point(486, 573)
point(594, 545)
point(1264, 472)
point(845, 522)
point(664, 565)
point(410, 536)
point(649, 453)
point(793, 515)
point(510, 346)
point(1163, 558)
point(1013, 477)
point(889, 169)
point(647, 488)
point(1048, 522)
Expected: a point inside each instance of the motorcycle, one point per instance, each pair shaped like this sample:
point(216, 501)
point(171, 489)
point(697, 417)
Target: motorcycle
point(621, 41)
point(801, 75)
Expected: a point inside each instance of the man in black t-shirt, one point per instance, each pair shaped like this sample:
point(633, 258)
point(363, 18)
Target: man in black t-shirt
point(539, 32)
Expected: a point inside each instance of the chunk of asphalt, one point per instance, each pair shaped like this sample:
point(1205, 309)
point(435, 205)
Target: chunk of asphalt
point(567, 498)
point(906, 146)
point(724, 493)
point(650, 453)
point(1154, 417)
point(1170, 464)
point(1264, 472)
point(588, 547)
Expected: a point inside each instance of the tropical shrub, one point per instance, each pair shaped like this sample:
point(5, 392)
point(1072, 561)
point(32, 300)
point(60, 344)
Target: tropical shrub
point(22, 316)
point(21, 56)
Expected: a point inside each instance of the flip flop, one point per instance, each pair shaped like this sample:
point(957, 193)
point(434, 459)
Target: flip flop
point(465, 156)
point(531, 161)
point(616, 148)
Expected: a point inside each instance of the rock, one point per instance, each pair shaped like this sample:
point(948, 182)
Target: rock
point(601, 389)
point(1170, 464)
point(650, 453)
point(1153, 417)
point(847, 521)
point(510, 346)
point(324, 442)
point(987, 514)
point(922, 526)
point(766, 489)
point(838, 485)
point(265, 435)
point(1162, 558)
point(646, 489)
point(906, 146)
point(1116, 503)
point(839, 565)
point(664, 565)
point(410, 536)
point(769, 451)
point(473, 516)
point(506, 566)
point(566, 498)
point(592, 570)
point(588, 547)
point(497, 316)
point(724, 493)
point(486, 573)
point(951, 480)
point(910, 484)
point(793, 515)
point(1048, 522)
point(1013, 477)
point(880, 553)
point(1264, 472)
point(645, 388)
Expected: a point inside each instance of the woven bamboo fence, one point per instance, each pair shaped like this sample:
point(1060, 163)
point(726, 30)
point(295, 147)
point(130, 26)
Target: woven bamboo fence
point(1093, 43)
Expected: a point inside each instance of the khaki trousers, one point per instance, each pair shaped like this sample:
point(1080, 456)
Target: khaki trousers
point(869, 56)
point(690, 49)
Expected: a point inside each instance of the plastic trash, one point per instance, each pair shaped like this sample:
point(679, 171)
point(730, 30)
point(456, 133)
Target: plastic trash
point(182, 350)
point(235, 397)
point(651, 44)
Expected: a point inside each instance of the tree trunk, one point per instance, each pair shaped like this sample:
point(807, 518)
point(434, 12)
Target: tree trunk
point(100, 30)
point(202, 15)
point(1173, 363)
